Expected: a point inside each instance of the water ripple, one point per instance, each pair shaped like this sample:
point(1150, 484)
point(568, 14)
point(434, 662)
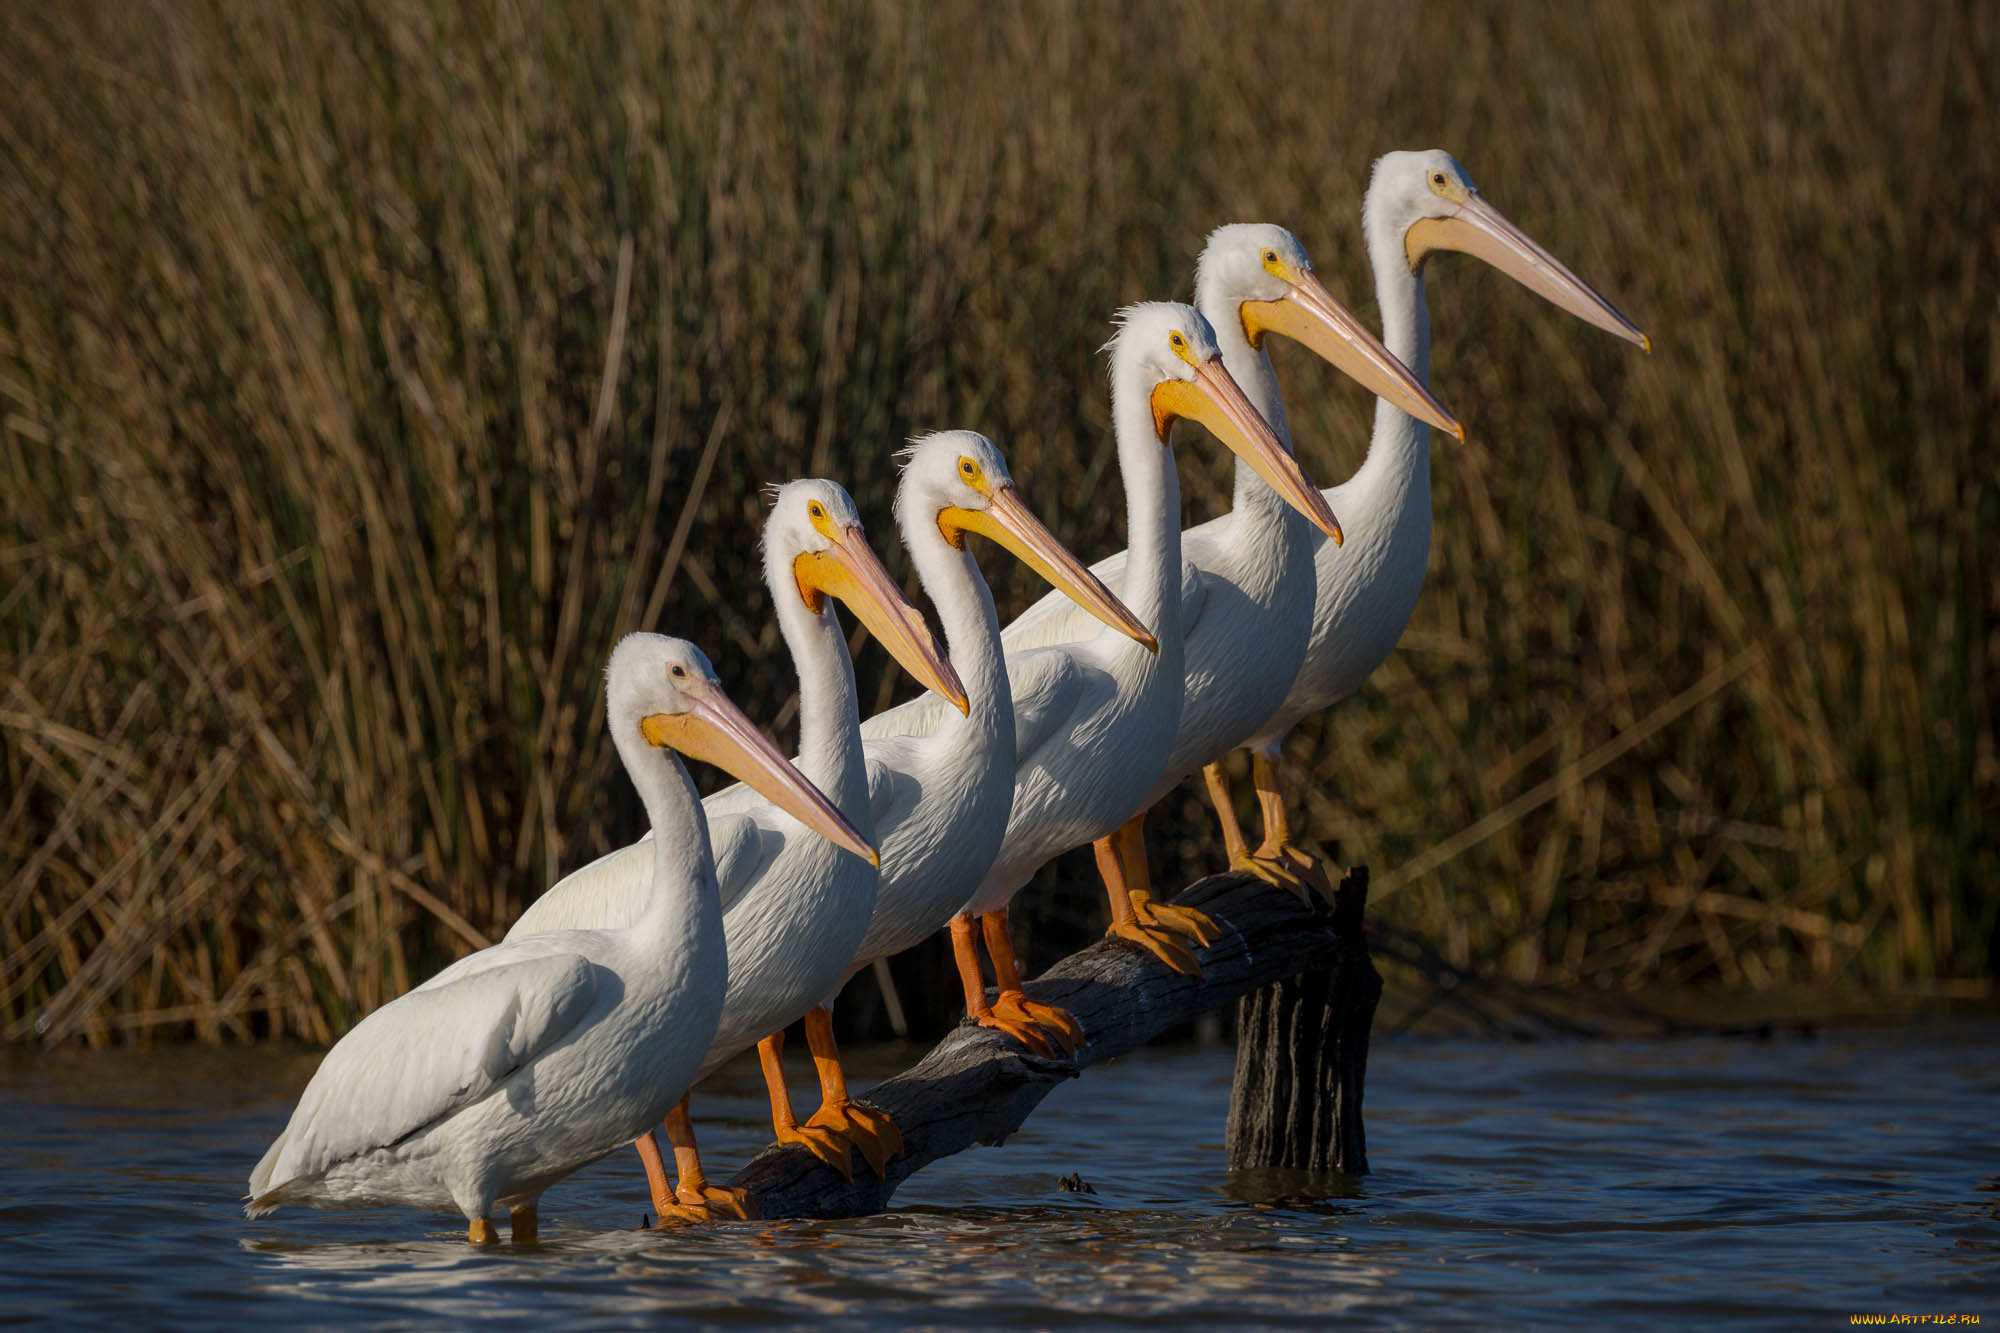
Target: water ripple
point(1580, 1182)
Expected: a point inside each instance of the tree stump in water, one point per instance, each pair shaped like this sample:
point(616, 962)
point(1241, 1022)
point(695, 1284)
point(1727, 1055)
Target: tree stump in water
point(1302, 1055)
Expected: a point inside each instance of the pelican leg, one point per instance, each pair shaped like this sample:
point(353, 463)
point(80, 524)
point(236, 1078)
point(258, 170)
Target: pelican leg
point(818, 1140)
point(1121, 869)
point(965, 952)
point(864, 1128)
point(479, 1231)
point(658, 1184)
point(1285, 859)
point(1048, 1019)
point(1234, 844)
point(526, 1223)
point(695, 1200)
point(1274, 869)
point(965, 949)
point(1186, 922)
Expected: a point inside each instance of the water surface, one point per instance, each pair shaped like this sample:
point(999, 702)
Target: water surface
point(1788, 1182)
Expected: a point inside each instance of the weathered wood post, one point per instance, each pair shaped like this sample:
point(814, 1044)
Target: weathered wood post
point(1302, 1055)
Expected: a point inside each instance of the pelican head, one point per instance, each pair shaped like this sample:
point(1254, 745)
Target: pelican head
point(663, 692)
point(1426, 202)
point(813, 543)
point(1260, 271)
point(1168, 351)
point(959, 480)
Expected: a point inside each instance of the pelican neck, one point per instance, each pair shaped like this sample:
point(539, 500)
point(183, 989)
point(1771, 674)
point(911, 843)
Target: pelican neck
point(829, 717)
point(1152, 512)
point(1399, 454)
point(951, 579)
point(684, 892)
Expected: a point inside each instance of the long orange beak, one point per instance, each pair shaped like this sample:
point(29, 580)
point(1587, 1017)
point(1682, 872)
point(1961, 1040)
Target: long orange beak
point(716, 732)
point(849, 571)
point(1214, 399)
point(1479, 230)
point(1308, 313)
point(1008, 521)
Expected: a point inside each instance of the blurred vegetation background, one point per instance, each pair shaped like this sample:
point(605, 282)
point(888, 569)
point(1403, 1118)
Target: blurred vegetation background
point(367, 368)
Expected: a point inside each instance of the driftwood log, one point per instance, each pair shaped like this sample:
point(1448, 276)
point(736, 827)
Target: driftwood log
point(977, 1086)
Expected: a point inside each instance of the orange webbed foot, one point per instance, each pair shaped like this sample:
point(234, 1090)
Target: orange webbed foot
point(1291, 868)
point(1047, 1020)
point(868, 1131)
point(1311, 869)
point(1276, 872)
point(822, 1143)
point(709, 1203)
point(1183, 921)
point(1020, 1029)
point(1163, 943)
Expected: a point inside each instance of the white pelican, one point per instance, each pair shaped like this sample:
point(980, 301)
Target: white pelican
point(1095, 716)
point(942, 785)
point(792, 913)
point(1247, 579)
point(1418, 204)
point(520, 1063)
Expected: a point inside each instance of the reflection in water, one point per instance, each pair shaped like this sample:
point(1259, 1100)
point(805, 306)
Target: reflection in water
point(1568, 1181)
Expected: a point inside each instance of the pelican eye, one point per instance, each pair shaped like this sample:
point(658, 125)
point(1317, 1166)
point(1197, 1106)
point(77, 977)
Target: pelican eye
point(678, 671)
point(1178, 341)
point(1437, 179)
point(816, 509)
point(1270, 256)
point(965, 466)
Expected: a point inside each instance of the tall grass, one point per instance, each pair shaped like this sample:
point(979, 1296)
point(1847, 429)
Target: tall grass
point(369, 367)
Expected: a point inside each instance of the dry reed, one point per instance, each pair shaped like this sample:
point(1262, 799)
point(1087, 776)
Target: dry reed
point(366, 369)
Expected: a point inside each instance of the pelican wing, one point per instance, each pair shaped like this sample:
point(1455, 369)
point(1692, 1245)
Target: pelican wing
point(744, 847)
point(425, 1056)
point(738, 798)
point(607, 894)
point(893, 785)
point(1048, 685)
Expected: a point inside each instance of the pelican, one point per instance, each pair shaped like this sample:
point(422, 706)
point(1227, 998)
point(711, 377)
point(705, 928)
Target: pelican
point(793, 915)
point(1096, 716)
point(942, 786)
point(1247, 579)
point(520, 1063)
point(1418, 204)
